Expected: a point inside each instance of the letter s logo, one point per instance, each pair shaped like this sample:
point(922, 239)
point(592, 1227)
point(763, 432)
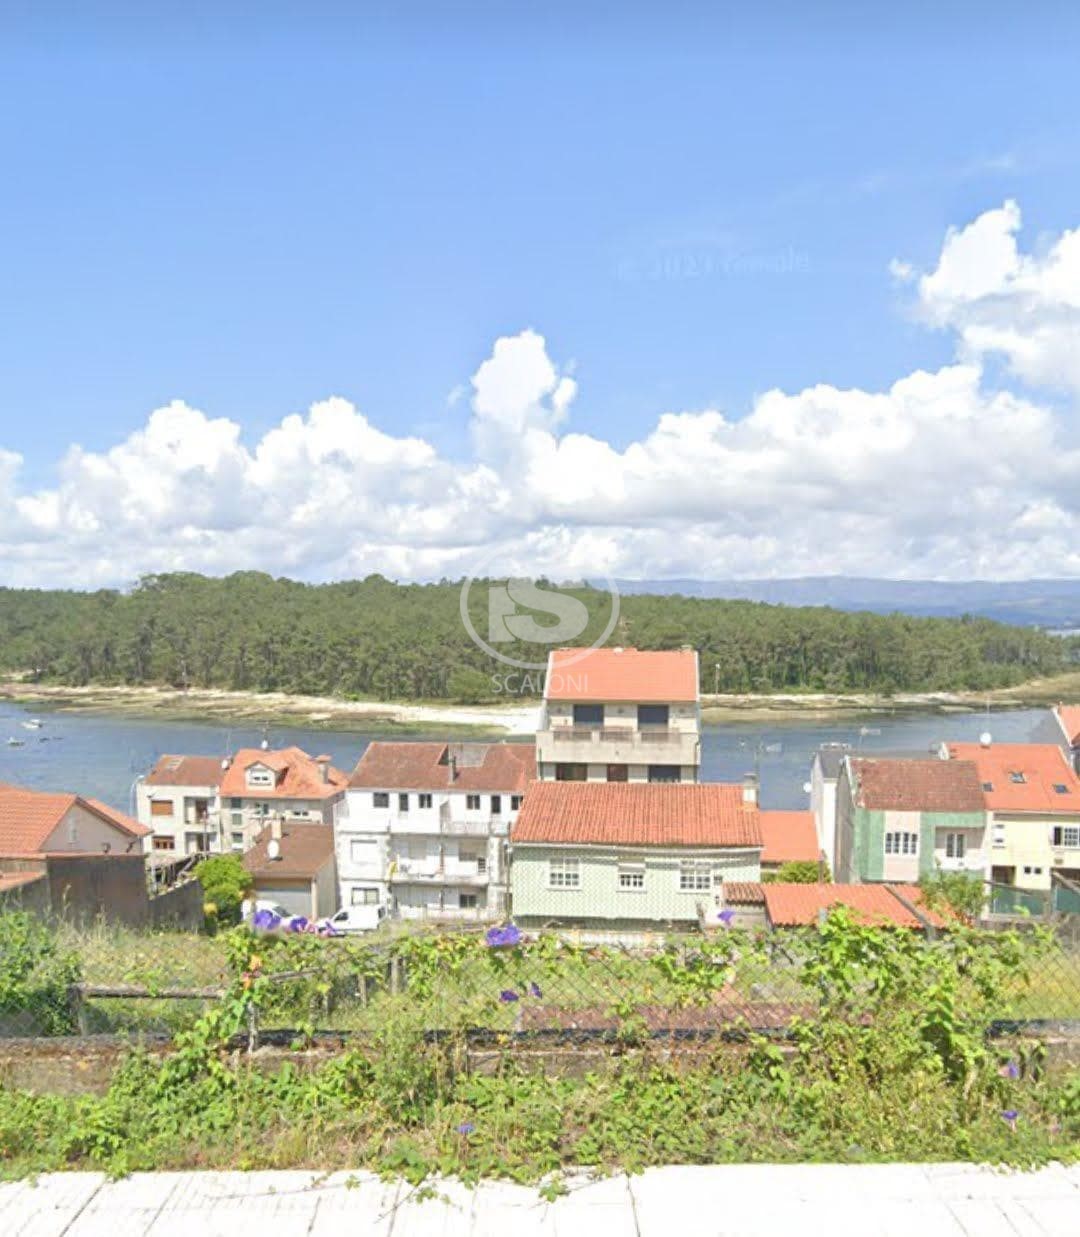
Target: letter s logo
point(505, 624)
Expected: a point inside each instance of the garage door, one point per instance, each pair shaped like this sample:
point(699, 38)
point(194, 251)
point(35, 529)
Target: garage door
point(296, 899)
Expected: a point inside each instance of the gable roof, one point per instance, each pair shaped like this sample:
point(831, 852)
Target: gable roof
point(789, 837)
point(28, 817)
point(498, 767)
point(305, 850)
point(931, 785)
point(186, 771)
point(706, 814)
point(617, 675)
point(1022, 777)
point(790, 905)
point(298, 776)
point(1068, 717)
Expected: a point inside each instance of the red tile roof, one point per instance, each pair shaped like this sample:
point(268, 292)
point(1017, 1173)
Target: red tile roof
point(602, 675)
point(305, 850)
point(498, 767)
point(743, 893)
point(16, 880)
point(1069, 717)
point(790, 837)
point(28, 817)
point(1022, 777)
point(900, 785)
point(790, 905)
point(186, 771)
point(298, 776)
point(636, 814)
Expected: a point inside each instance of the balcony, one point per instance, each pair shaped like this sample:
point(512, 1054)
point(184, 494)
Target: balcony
point(432, 872)
point(647, 745)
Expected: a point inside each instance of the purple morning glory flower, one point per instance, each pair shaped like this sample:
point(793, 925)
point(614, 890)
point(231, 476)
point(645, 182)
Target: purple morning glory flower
point(726, 917)
point(466, 1128)
point(1009, 1116)
point(508, 935)
point(534, 989)
point(508, 995)
point(1011, 1070)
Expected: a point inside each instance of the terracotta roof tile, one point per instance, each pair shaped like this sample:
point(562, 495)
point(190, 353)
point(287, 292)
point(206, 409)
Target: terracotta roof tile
point(636, 814)
point(186, 771)
point(790, 837)
point(28, 817)
point(305, 850)
point(298, 776)
point(505, 767)
point(790, 905)
point(1023, 777)
point(743, 893)
point(603, 675)
point(917, 785)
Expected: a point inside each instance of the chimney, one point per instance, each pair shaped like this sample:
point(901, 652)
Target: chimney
point(750, 788)
point(324, 767)
point(275, 829)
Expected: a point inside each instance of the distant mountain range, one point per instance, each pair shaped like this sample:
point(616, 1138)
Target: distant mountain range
point(1053, 604)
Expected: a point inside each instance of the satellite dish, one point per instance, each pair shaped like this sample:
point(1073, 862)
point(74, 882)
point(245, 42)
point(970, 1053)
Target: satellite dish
point(986, 738)
point(265, 744)
point(273, 849)
point(807, 788)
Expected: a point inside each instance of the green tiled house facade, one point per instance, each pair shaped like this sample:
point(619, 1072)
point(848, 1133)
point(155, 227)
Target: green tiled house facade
point(616, 887)
point(868, 829)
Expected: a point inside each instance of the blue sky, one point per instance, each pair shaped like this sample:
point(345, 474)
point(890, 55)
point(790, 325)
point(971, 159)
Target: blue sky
point(257, 211)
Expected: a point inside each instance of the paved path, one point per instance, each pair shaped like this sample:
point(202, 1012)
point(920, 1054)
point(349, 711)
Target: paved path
point(803, 1200)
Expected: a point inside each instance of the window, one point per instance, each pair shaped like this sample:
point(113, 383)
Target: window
point(403, 803)
point(1060, 788)
point(1033, 871)
point(652, 714)
point(588, 714)
point(1067, 835)
point(361, 850)
point(571, 773)
point(631, 877)
point(1017, 778)
point(362, 896)
point(900, 843)
point(999, 835)
point(515, 802)
point(472, 803)
point(423, 801)
point(467, 901)
point(564, 873)
point(161, 807)
point(988, 786)
point(496, 805)
point(162, 841)
point(260, 775)
point(695, 877)
point(618, 773)
point(663, 773)
point(236, 803)
point(237, 840)
point(236, 819)
point(955, 845)
point(481, 864)
point(381, 798)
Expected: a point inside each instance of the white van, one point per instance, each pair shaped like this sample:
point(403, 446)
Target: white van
point(352, 919)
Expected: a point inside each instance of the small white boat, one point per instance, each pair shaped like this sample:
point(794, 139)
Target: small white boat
point(35, 723)
point(13, 742)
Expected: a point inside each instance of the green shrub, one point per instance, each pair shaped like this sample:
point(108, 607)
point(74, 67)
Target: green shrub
point(798, 872)
point(36, 973)
point(226, 882)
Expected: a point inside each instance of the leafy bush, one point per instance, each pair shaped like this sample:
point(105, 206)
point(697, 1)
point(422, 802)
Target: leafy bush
point(226, 882)
point(964, 895)
point(36, 973)
point(798, 872)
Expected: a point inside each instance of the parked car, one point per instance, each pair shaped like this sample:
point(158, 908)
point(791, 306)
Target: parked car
point(354, 919)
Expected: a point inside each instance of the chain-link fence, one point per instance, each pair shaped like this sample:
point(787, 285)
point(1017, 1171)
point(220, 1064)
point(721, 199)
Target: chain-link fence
point(497, 985)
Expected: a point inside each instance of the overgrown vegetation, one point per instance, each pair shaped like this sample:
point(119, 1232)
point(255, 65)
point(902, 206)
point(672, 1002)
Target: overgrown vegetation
point(894, 1064)
point(36, 973)
point(959, 892)
point(225, 882)
point(374, 638)
point(799, 872)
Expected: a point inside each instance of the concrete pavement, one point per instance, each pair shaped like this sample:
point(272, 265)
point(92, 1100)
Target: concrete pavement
point(752, 1200)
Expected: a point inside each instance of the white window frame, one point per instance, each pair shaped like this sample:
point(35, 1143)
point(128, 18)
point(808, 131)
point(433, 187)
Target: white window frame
point(424, 799)
point(630, 877)
point(695, 876)
point(564, 872)
point(901, 843)
point(955, 845)
point(367, 896)
point(1068, 837)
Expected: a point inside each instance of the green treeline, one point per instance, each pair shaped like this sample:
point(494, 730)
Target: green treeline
point(374, 638)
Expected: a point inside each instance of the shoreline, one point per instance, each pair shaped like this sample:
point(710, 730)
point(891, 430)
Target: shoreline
point(488, 720)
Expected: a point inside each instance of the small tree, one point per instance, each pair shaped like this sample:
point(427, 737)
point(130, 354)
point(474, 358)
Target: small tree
point(468, 686)
point(798, 872)
point(959, 892)
point(226, 882)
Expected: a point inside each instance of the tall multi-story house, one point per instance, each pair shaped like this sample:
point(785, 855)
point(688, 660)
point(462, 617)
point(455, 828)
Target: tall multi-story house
point(620, 715)
point(824, 779)
point(631, 856)
point(423, 827)
point(199, 804)
point(899, 819)
point(1067, 717)
point(1033, 799)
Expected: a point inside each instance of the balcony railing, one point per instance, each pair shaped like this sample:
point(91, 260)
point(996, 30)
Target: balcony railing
point(619, 744)
point(408, 873)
